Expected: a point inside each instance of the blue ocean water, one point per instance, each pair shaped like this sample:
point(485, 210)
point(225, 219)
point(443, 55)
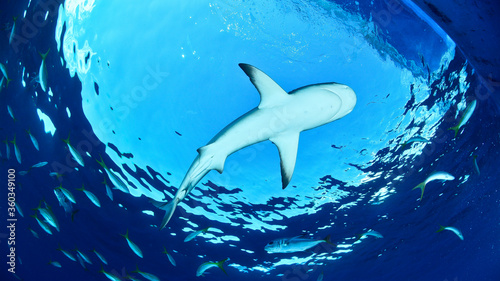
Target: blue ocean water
point(141, 87)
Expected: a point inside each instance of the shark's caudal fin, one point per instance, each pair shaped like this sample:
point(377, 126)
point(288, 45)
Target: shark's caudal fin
point(168, 207)
point(421, 186)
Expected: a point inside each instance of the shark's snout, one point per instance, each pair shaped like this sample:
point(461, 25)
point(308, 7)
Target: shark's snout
point(348, 98)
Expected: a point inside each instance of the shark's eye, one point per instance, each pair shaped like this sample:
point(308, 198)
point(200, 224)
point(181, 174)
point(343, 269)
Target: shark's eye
point(272, 242)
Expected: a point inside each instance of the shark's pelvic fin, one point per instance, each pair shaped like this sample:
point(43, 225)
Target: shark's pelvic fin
point(287, 144)
point(215, 161)
point(270, 92)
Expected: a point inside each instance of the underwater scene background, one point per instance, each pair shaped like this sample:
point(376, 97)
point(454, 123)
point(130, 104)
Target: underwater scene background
point(105, 103)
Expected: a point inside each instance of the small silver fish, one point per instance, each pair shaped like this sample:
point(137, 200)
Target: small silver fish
point(452, 229)
point(207, 265)
point(33, 140)
point(66, 253)
point(76, 155)
point(43, 74)
point(55, 263)
point(169, 256)
point(13, 31)
point(17, 152)
point(476, 167)
point(146, 275)
point(132, 245)
point(115, 180)
point(192, 235)
point(91, 196)
point(38, 165)
point(11, 112)
point(415, 139)
point(7, 148)
point(294, 244)
point(101, 257)
point(467, 115)
point(443, 176)
point(373, 233)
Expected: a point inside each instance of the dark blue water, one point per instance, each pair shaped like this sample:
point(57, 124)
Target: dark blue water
point(351, 176)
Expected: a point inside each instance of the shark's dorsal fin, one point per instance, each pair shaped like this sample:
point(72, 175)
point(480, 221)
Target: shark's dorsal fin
point(271, 93)
point(287, 144)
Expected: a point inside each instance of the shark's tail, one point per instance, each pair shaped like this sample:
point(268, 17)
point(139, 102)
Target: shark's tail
point(421, 186)
point(168, 207)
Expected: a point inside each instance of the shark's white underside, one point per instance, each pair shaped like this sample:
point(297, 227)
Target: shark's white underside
point(280, 117)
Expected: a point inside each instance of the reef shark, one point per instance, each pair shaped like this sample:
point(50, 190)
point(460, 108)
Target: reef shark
point(280, 117)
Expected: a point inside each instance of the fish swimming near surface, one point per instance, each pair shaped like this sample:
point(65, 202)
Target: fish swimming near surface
point(11, 113)
point(415, 139)
point(66, 253)
point(4, 83)
point(17, 152)
point(19, 210)
point(76, 155)
point(63, 200)
point(115, 180)
point(452, 229)
point(84, 257)
point(40, 164)
point(5, 74)
point(33, 232)
point(91, 196)
point(109, 192)
point(146, 275)
point(280, 117)
point(7, 148)
point(101, 257)
point(109, 275)
point(42, 224)
point(66, 194)
point(169, 256)
point(192, 235)
point(48, 215)
point(42, 72)
point(443, 176)
point(373, 233)
point(467, 115)
point(55, 263)
point(207, 265)
point(13, 30)
point(476, 167)
point(33, 140)
point(80, 261)
point(132, 245)
point(320, 276)
point(294, 244)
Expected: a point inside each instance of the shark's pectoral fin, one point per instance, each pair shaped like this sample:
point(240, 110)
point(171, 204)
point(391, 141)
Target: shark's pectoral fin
point(287, 144)
point(270, 92)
